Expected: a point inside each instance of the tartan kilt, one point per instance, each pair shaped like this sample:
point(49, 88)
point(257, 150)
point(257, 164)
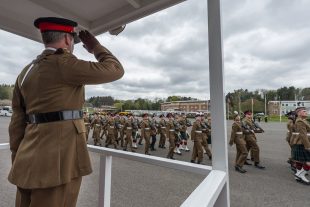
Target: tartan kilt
point(299, 153)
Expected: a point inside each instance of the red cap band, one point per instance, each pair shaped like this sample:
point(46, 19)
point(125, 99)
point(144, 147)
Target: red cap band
point(47, 26)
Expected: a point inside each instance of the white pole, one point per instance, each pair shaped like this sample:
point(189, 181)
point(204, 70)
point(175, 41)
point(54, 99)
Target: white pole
point(265, 105)
point(280, 111)
point(239, 103)
point(105, 178)
point(217, 97)
point(252, 106)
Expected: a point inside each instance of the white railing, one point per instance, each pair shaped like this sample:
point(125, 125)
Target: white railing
point(205, 195)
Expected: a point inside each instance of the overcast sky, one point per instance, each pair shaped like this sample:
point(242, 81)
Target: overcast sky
point(266, 45)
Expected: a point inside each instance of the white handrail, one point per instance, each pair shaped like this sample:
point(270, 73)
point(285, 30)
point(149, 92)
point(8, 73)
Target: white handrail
point(159, 161)
point(206, 194)
point(4, 146)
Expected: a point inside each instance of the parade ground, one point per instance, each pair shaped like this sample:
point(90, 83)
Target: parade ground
point(136, 184)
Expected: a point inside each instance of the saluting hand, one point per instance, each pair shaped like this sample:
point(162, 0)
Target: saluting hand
point(89, 40)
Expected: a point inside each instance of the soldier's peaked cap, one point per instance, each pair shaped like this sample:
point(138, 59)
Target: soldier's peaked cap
point(55, 24)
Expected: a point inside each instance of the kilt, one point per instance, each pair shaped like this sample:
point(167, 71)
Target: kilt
point(299, 153)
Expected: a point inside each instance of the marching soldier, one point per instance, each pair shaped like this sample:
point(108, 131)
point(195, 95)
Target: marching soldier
point(208, 123)
point(112, 132)
point(250, 138)
point(48, 165)
point(96, 126)
point(237, 137)
point(122, 121)
point(177, 128)
point(162, 131)
point(135, 132)
point(205, 132)
point(128, 126)
point(171, 135)
point(153, 125)
point(104, 127)
point(196, 137)
point(184, 123)
point(87, 124)
point(146, 132)
point(301, 146)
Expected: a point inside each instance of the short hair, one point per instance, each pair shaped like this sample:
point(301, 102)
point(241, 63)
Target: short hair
point(51, 37)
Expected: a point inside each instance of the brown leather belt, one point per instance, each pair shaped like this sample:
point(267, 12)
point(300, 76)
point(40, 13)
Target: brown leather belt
point(53, 116)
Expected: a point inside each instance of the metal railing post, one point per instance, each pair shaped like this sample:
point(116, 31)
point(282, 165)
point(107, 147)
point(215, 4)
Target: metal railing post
point(105, 178)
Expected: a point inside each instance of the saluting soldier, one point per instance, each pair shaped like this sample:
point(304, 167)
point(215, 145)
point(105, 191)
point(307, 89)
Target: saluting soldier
point(146, 132)
point(205, 131)
point(128, 126)
point(237, 137)
point(47, 131)
point(301, 146)
point(250, 138)
point(87, 124)
point(171, 135)
point(162, 131)
point(196, 137)
point(96, 126)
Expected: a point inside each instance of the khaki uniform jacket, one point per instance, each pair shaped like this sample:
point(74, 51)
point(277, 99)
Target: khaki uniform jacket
point(162, 126)
point(51, 154)
point(145, 129)
point(303, 128)
point(128, 128)
point(170, 130)
point(111, 126)
point(290, 130)
point(236, 135)
point(183, 126)
point(96, 126)
point(196, 133)
point(251, 126)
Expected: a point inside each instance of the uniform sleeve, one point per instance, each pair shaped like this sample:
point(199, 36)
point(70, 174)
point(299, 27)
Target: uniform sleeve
point(193, 133)
point(302, 129)
point(80, 72)
point(233, 134)
point(18, 121)
point(142, 129)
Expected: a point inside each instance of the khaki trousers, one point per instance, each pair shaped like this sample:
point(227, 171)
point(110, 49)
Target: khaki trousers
point(171, 146)
point(205, 144)
point(251, 144)
point(60, 196)
point(162, 139)
point(147, 144)
point(197, 150)
point(128, 140)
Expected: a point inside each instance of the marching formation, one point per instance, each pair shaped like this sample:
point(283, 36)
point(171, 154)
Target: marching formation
point(298, 138)
point(243, 135)
point(129, 132)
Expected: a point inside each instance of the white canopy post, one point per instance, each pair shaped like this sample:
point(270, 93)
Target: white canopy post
point(217, 97)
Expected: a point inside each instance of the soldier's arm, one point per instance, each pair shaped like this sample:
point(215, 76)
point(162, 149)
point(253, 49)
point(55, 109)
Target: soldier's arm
point(193, 133)
point(233, 134)
point(18, 121)
point(80, 72)
point(302, 129)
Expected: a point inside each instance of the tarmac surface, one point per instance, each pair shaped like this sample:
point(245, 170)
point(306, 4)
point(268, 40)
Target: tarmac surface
point(136, 184)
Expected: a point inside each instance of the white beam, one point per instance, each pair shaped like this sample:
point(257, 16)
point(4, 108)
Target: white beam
point(105, 177)
point(206, 194)
point(62, 12)
point(217, 97)
point(135, 3)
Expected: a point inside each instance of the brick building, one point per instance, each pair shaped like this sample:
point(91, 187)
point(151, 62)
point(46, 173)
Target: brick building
point(186, 106)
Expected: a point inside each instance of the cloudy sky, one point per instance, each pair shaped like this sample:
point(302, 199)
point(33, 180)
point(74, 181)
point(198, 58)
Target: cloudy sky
point(266, 45)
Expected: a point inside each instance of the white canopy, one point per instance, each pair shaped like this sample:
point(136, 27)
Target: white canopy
point(98, 16)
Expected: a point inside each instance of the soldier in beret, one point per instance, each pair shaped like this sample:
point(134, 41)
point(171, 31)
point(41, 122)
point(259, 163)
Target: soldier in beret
point(47, 131)
point(250, 138)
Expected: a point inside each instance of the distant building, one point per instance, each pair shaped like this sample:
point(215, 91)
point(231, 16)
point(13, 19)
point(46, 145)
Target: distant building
point(274, 107)
point(186, 106)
